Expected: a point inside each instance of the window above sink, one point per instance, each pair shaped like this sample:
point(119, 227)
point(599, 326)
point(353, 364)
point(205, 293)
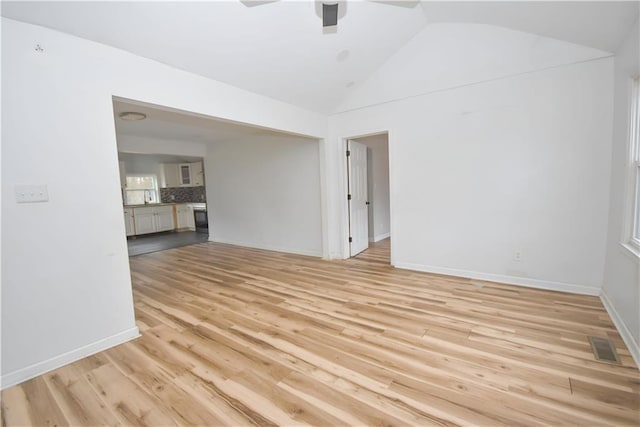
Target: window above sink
point(141, 190)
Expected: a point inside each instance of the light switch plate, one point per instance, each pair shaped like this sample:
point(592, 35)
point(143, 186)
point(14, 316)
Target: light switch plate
point(32, 193)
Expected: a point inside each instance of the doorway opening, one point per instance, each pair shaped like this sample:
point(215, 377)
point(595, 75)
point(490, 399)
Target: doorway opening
point(368, 194)
point(261, 187)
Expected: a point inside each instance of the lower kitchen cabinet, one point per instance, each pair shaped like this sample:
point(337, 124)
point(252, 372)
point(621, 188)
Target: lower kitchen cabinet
point(184, 214)
point(153, 219)
point(164, 218)
point(129, 224)
point(144, 220)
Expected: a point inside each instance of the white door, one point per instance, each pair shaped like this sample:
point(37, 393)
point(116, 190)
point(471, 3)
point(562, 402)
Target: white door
point(358, 204)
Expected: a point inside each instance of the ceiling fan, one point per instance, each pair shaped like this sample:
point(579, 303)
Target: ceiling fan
point(329, 9)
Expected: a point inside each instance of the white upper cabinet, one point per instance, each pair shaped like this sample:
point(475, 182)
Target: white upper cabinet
point(170, 175)
point(182, 175)
point(197, 174)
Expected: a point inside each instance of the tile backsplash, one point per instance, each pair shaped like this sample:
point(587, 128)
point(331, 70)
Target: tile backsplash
point(183, 195)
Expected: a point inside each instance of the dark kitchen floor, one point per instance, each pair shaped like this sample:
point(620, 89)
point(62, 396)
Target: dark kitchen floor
point(139, 245)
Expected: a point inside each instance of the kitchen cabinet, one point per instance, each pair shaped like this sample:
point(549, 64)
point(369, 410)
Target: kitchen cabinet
point(153, 219)
point(182, 175)
point(144, 219)
point(164, 218)
point(197, 174)
point(184, 215)
point(129, 224)
point(170, 175)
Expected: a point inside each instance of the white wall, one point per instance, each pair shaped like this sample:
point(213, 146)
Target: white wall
point(378, 185)
point(483, 170)
point(265, 193)
point(66, 289)
point(141, 164)
point(145, 145)
point(621, 288)
point(445, 56)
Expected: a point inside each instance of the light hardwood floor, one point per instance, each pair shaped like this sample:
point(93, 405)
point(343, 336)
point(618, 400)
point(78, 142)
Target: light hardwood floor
point(236, 336)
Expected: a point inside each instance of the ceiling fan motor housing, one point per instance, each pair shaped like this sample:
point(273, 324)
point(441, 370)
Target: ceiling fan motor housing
point(329, 14)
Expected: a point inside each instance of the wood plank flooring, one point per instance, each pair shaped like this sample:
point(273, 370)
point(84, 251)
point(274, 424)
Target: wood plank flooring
point(148, 243)
point(235, 336)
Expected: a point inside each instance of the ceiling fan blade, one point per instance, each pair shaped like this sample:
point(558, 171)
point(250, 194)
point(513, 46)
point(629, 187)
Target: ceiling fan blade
point(402, 3)
point(252, 3)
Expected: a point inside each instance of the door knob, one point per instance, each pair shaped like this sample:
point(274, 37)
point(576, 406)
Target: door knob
point(367, 203)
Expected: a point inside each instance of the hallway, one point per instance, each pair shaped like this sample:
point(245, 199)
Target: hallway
point(378, 252)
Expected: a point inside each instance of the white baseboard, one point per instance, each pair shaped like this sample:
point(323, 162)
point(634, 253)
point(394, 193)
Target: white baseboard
point(40, 368)
point(511, 280)
point(626, 335)
point(296, 251)
point(379, 237)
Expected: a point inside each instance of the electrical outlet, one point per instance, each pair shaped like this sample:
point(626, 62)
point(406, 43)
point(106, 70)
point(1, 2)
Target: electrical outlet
point(517, 256)
point(31, 193)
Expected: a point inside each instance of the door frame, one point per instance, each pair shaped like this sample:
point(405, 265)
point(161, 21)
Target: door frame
point(344, 189)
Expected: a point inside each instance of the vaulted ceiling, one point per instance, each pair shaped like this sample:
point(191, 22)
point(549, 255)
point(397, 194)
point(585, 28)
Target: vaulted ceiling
point(279, 49)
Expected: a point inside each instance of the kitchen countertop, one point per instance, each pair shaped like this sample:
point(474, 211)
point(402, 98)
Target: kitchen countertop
point(150, 205)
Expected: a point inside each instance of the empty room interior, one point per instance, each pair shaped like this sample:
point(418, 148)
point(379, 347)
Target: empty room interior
point(324, 213)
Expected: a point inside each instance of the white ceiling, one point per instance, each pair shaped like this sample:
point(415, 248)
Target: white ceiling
point(157, 158)
point(276, 49)
point(599, 24)
point(280, 50)
point(169, 124)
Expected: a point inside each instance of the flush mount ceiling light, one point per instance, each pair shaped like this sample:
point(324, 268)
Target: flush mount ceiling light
point(132, 115)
